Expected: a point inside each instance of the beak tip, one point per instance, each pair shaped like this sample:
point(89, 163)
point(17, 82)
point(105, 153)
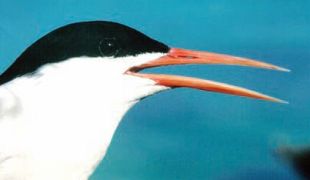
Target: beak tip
point(281, 101)
point(282, 69)
point(273, 99)
point(284, 102)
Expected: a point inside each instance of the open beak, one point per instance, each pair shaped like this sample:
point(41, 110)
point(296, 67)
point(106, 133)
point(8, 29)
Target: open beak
point(177, 56)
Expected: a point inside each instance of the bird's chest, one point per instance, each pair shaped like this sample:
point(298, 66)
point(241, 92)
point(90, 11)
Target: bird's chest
point(59, 130)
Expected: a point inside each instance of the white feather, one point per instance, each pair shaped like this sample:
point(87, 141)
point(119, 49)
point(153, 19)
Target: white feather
point(58, 122)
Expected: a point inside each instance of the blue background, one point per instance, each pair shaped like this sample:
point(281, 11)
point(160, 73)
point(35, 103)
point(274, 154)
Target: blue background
point(190, 134)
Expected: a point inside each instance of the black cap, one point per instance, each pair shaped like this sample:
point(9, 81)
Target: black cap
point(91, 39)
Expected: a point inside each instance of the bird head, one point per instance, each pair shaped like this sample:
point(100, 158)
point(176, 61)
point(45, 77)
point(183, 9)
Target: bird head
point(110, 54)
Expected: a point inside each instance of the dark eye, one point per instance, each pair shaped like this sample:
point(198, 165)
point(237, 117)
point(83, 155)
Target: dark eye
point(108, 47)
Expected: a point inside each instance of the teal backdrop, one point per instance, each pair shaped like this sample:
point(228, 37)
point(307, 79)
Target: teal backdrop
point(185, 133)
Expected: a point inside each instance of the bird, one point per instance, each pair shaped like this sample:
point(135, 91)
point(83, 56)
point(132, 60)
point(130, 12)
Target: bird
point(63, 98)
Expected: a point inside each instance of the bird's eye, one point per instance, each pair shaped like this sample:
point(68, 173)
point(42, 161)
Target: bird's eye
point(108, 47)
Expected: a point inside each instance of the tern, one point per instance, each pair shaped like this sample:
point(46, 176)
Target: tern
point(64, 96)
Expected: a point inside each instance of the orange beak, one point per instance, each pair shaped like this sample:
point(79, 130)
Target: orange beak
point(181, 56)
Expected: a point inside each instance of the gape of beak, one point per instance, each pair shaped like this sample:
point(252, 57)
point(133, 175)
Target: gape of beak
point(181, 56)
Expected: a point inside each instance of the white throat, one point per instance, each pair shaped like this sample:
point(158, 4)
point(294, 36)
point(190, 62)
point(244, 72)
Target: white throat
point(59, 122)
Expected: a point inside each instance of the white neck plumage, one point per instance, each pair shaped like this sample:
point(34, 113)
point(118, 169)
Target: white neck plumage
point(60, 121)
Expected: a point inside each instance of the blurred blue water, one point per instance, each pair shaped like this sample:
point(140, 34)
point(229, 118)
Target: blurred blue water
point(189, 134)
